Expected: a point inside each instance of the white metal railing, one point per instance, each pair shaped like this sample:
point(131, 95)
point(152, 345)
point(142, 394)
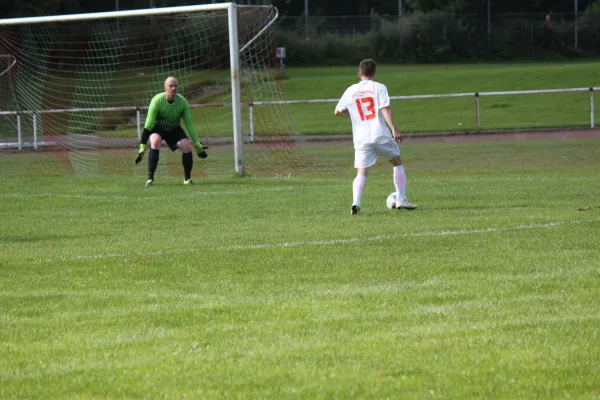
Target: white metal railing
point(475, 95)
point(34, 117)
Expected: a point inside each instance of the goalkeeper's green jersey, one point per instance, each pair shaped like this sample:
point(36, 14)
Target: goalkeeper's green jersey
point(167, 116)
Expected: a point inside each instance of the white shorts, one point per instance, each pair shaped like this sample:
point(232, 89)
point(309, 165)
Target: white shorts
point(366, 155)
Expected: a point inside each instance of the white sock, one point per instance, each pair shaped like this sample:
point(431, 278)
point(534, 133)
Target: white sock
point(357, 187)
point(400, 183)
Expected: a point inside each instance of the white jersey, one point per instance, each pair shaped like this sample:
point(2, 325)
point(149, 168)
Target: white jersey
point(364, 101)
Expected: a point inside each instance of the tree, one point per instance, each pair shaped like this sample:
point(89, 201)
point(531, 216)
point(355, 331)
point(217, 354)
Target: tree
point(19, 8)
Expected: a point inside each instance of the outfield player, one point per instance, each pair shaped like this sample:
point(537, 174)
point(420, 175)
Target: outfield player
point(368, 105)
point(163, 123)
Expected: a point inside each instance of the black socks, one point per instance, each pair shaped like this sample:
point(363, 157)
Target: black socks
point(188, 163)
point(152, 163)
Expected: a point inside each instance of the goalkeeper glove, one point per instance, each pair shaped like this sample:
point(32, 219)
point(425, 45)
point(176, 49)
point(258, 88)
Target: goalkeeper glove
point(141, 153)
point(201, 149)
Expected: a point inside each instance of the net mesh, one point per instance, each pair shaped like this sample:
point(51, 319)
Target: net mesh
point(73, 95)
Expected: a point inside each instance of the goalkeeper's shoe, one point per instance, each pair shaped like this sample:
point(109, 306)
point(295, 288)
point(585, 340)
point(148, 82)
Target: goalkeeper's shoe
point(355, 210)
point(188, 182)
point(406, 205)
point(149, 183)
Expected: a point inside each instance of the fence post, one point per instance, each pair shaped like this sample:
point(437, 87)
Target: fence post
point(477, 112)
point(137, 119)
point(19, 134)
point(35, 142)
point(251, 118)
point(531, 35)
point(592, 121)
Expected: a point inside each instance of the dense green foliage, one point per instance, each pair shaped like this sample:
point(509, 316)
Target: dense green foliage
point(14, 8)
point(441, 36)
point(430, 30)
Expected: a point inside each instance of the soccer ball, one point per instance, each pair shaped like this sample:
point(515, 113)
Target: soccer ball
point(391, 201)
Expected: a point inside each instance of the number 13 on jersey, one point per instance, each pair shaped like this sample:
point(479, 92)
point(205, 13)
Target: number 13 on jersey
point(366, 108)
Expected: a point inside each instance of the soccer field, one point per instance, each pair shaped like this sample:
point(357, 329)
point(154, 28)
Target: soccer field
point(268, 288)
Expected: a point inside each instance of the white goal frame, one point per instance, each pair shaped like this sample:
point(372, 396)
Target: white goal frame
point(236, 106)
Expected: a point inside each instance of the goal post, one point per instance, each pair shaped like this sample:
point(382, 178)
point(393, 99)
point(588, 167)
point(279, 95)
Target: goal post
point(236, 97)
point(79, 86)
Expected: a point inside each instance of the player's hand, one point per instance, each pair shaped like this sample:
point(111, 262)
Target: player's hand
point(397, 136)
point(201, 149)
point(141, 153)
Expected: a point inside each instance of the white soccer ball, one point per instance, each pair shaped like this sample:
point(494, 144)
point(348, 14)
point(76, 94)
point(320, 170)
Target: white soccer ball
point(391, 201)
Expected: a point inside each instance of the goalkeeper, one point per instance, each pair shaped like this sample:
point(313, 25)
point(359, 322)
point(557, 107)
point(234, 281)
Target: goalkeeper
point(163, 123)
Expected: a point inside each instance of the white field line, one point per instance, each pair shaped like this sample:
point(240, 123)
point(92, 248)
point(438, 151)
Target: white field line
point(404, 235)
point(102, 256)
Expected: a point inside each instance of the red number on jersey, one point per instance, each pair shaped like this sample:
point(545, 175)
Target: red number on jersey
point(370, 108)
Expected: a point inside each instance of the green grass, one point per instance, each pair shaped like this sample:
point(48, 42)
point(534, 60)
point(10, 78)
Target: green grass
point(414, 116)
point(268, 288)
point(438, 115)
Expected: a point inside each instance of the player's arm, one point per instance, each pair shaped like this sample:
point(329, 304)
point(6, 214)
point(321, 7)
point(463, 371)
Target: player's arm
point(389, 119)
point(150, 121)
point(142, 148)
point(384, 107)
point(148, 126)
point(341, 109)
point(189, 125)
point(191, 130)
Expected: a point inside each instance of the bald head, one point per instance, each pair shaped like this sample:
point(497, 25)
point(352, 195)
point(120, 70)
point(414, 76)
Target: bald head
point(171, 88)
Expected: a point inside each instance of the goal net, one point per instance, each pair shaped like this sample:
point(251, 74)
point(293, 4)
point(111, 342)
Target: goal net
point(74, 92)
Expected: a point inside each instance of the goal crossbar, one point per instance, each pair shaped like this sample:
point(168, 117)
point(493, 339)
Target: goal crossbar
point(116, 14)
point(229, 7)
point(77, 76)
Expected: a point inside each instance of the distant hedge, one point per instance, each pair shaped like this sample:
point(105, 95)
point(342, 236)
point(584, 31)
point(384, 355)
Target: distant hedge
point(443, 37)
